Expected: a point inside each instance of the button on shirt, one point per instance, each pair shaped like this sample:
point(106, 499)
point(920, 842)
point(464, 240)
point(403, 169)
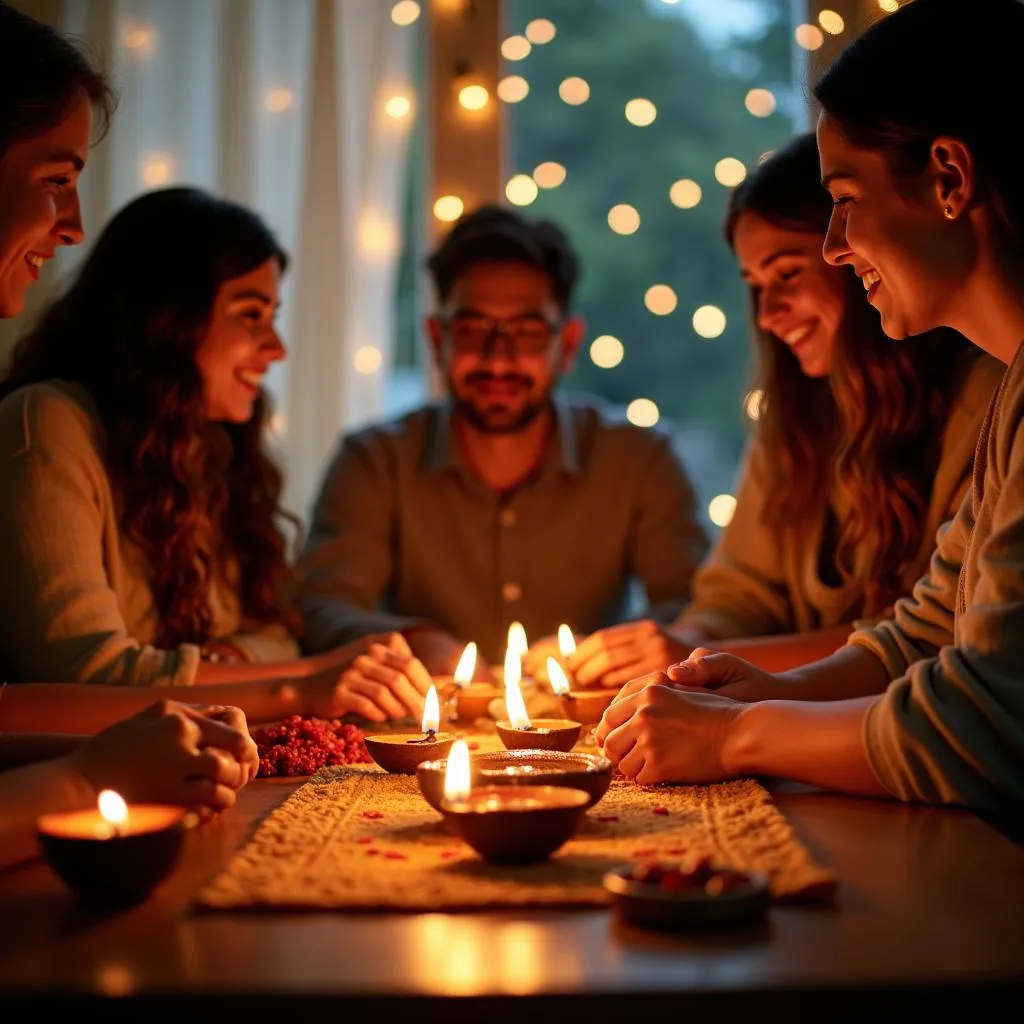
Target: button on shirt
point(404, 533)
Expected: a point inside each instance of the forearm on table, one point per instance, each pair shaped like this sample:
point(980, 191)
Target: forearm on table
point(820, 744)
point(18, 749)
point(28, 792)
point(85, 709)
point(849, 673)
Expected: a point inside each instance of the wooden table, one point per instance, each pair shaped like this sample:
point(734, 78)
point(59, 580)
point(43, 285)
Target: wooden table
point(930, 916)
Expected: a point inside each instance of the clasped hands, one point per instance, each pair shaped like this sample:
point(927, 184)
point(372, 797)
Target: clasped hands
point(680, 725)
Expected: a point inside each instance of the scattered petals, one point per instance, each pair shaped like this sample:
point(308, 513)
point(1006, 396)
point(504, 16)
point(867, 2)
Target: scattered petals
point(364, 840)
point(372, 815)
point(659, 810)
point(395, 855)
point(644, 851)
point(372, 852)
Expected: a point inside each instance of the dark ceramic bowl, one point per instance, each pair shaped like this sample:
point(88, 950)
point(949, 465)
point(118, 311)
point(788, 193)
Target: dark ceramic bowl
point(589, 772)
point(546, 734)
point(401, 753)
point(645, 904)
point(120, 870)
point(516, 824)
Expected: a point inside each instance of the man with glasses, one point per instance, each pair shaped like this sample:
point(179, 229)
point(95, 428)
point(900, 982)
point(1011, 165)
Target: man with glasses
point(507, 501)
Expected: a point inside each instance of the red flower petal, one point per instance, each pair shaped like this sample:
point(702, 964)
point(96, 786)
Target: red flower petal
point(659, 810)
point(395, 855)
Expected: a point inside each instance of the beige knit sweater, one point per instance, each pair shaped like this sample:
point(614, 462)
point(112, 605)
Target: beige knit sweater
point(75, 598)
point(950, 727)
point(755, 583)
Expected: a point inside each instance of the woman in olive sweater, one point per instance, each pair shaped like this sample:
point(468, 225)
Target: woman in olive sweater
point(928, 211)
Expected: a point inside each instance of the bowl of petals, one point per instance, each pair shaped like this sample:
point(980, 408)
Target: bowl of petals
point(658, 894)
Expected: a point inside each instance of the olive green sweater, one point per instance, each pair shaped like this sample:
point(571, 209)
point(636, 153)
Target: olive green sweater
point(950, 727)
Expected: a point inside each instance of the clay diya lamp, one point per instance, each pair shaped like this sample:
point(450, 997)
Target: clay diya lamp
point(517, 732)
point(115, 854)
point(585, 706)
point(509, 824)
point(589, 772)
point(400, 753)
point(468, 699)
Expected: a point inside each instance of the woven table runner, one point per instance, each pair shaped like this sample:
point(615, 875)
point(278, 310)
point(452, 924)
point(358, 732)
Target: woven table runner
point(358, 838)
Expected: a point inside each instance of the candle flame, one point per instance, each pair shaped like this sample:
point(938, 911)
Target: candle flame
point(515, 707)
point(513, 665)
point(517, 638)
point(466, 667)
point(566, 641)
point(557, 678)
point(431, 712)
point(457, 775)
point(112, 807)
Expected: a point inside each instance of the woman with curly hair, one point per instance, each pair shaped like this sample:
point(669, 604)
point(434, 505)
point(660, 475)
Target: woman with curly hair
point(141, 524)
point(862, 449)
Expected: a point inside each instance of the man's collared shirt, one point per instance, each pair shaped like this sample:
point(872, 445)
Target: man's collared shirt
point(405, 533)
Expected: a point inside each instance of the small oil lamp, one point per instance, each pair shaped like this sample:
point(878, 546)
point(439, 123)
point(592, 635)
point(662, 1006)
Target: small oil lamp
point(400, 753)
point(518, 732)
point(508, 824)
point(585, 706)
point(471, 699)
point(114, 854)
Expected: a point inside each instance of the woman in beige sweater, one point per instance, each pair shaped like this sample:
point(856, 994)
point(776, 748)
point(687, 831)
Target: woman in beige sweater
point(51, 101)
point(861, 451)
point(140, 524)
point(928, 211)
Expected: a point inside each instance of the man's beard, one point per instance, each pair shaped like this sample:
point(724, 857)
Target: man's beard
point(499, 419)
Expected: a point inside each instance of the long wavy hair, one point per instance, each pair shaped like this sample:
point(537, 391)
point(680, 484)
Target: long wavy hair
point(191, 494)
point(869, 434)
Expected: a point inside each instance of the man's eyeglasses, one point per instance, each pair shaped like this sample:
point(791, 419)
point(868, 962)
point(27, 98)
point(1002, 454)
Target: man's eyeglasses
point(474, 333)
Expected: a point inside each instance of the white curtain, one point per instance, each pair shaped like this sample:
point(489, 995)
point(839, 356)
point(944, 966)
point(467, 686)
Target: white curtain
point(278, 104)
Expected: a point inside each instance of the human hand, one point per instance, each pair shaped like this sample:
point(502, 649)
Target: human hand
point(612, 657)
point(385, 681)
point(660, 733)
point(170, 753)
point(727, 675)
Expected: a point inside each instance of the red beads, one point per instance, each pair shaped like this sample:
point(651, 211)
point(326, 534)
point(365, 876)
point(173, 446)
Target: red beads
point(299, 746)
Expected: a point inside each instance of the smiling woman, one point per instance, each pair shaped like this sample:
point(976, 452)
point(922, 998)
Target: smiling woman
point(140, 523)
point(46, 125)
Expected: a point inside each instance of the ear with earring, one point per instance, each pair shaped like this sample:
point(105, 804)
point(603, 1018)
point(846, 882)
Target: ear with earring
point(948, 211)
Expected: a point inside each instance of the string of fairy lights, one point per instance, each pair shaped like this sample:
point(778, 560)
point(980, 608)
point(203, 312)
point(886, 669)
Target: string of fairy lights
point(377, 236)
point(708, 321)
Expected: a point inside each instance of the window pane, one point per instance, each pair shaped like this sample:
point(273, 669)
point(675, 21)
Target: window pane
point(636, 111)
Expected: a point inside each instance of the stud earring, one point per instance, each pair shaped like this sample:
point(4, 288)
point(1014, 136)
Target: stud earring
point(948, 211)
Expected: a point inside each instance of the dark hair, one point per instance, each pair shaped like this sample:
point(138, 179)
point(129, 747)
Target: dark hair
point(495, 233)
point(41, 72)
point(934, 68)
point(127, 330)
point(870, 433)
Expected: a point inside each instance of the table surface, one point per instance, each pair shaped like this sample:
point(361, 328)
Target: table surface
point(930, 909)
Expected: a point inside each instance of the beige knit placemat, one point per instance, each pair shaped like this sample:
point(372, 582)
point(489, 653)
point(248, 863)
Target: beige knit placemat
point(358, 838)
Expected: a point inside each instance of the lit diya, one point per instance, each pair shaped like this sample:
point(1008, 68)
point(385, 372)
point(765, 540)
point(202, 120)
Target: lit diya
point(518, 732)
point(114, 854)
point(586, 706)
point(400, 753)
point(589, 772)
point(508, 824)
point(471, 699)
